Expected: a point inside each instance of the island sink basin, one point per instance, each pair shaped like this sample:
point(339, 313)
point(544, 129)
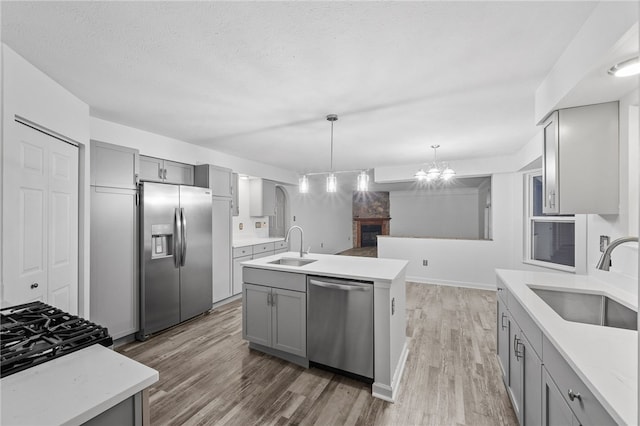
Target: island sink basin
point(588, 308)
point(292, 261)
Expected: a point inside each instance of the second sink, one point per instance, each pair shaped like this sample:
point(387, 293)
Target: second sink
point(589, 308)
point(292, 261)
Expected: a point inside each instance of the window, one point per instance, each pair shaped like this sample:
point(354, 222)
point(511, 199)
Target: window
point(550, 241)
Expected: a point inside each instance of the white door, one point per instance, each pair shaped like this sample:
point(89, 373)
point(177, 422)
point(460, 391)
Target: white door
point(40, 220)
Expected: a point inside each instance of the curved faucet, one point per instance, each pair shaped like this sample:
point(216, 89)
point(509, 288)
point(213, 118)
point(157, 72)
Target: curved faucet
point(605, 260)
point(286, 239)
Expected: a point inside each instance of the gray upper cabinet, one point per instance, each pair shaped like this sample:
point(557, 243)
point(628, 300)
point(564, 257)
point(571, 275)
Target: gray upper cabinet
point(219, 179)
point(581, 160)
point(263, 197)
point(158, 170)
point(113, 166)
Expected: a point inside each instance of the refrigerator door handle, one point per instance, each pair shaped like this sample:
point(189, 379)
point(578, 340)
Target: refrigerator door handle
point(177, 238)
point(184, 237)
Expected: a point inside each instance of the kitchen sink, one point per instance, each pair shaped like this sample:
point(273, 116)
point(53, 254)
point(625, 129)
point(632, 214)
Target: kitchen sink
point(589, 308)
point(292, 261)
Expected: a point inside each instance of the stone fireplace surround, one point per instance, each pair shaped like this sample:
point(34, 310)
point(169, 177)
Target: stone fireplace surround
point(370, 208)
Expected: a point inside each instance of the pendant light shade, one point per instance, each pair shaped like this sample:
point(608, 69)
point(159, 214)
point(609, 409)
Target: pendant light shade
point(363, 181)
point(303, 184)
point(332, 183)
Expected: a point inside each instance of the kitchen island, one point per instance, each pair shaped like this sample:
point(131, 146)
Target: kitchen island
point(94, 385)
point(279, 279)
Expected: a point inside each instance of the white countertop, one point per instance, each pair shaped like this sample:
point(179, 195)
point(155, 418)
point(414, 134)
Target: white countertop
point(605, 358)
point(73, 388)
point(361, 268)
point(243, 242)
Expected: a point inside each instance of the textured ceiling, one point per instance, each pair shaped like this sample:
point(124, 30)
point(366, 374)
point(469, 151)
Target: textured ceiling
point(256, 79)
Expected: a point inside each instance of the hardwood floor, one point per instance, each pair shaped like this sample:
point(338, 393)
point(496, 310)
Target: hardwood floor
point(209, 376)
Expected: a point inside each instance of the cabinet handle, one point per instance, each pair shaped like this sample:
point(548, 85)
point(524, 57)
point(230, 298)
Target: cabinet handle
point(516, 344)
point(274, 299)
point(34, 285)
point(164, 173)
point(573, 395)
point(268, 299)
point(160, 173)
point(502, 321)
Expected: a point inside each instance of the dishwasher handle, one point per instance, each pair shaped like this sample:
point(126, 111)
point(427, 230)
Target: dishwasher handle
point(345, 287)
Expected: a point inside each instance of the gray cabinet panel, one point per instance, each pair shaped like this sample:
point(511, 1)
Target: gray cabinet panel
point(151, 169)
point(289, 321)
point(279, 279)
point(113, 166)
point(555, 411)
point(516, 378)
point(221, 227)
point(178, 173)
point(237, 273)
point(531, 385)
point(216, 178)
point(503, 339)
point(114, 260)
point(256, 313)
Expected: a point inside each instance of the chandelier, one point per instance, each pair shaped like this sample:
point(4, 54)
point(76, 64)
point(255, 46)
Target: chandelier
point(436, 171)
point(362, 181)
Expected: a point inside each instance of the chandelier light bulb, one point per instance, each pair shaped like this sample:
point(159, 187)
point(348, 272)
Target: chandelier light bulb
point(303, 184)
point(332, 183)
point(363, 181)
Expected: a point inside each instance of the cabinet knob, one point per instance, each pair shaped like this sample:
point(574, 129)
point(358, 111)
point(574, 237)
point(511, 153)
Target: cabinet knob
point(34, 285)
point(573, 395)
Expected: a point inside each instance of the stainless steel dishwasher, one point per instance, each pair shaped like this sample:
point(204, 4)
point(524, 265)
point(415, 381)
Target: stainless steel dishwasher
point(340, 325)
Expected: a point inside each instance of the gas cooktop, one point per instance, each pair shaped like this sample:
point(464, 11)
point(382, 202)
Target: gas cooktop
point(35, 332)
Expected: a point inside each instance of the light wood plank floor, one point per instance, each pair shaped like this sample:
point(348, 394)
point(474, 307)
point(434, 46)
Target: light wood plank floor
point(209, 376)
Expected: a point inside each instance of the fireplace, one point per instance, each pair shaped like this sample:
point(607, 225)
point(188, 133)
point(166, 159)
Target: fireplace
point(366, 230)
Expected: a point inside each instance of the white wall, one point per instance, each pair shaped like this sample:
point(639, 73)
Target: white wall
point(325, 218)
point(164, 147)
point(461, 262)
point(439, 213)
point(29, 93)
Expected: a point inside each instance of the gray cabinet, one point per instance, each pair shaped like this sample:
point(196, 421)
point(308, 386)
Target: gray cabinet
point(244, 253)
point(113, 246)
point(237, 273)
point(113, 166)
point(219, 179)
point(580, 160)
point(275, 318)
point(222, 236)
point(263, 197)
point(555, 411)
point(158, 170)
point(520, 363)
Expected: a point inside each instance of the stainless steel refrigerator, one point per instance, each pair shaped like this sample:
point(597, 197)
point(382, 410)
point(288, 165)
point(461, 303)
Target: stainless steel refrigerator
point(176, 260)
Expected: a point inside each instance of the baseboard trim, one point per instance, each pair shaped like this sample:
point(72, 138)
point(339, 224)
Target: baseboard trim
point(386, 392)
point(478, 286)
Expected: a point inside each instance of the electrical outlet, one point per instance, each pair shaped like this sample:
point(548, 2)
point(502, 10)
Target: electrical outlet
point(604, 242)
point(258, 224)
point(425, 262)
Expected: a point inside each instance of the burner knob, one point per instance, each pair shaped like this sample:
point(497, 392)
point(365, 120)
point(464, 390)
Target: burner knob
point(34, 285)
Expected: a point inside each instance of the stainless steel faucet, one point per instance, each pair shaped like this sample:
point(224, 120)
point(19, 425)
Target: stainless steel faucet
point(286, 239)
point(605, 260)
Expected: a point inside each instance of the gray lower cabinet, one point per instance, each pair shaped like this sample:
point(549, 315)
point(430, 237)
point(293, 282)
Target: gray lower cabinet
point(242, 254)
point(114, 260)
point(275, 318)
point(222, 236)
point(158, 170)
point(520, 363)
point(555, 411)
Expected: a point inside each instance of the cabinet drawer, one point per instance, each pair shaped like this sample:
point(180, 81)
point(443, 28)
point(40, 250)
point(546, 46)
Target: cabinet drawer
point(261, 248)
point(242, 251)
point(526, 324)
point(278, 279)
point(587, 409)
point(280, 245)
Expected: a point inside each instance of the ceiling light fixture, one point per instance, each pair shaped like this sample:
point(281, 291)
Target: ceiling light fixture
point(626, 68)
point(332, 182)
point(362, 181)
point(435, 171)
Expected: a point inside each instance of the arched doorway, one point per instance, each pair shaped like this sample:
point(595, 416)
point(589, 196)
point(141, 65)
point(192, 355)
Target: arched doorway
point(278, 223)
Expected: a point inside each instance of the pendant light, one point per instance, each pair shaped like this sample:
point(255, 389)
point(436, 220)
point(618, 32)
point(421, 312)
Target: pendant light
point(303, 184)
point(436, 171)
point(362, 183)
point(332, 182)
